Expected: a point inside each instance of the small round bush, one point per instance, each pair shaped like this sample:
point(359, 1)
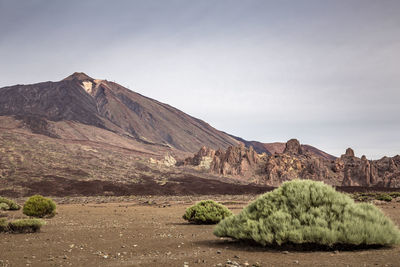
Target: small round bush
point(309, 212)
point(39, 206)
point(206, 212)
point(11, 204)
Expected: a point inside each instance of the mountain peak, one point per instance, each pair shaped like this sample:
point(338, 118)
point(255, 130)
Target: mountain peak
point(80, 76)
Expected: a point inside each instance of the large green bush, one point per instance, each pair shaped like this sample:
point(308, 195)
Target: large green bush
point(11, 204)
point(304, 211)
point(39, 206)
point(206, 212)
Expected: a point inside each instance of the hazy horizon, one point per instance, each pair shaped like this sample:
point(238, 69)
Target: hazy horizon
point(326, 73)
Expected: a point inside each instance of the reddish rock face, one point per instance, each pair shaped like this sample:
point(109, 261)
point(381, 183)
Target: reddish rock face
point(296, 162)
point(349, 152)
point(236, 160)
point(293, 147)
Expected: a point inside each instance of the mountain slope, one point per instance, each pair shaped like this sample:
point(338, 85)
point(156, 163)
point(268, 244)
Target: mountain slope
point(110, 106)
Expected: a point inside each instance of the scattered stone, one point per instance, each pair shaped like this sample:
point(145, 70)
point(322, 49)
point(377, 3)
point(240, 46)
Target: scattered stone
point(296, 262)
point(285, 252)
point(230, 263)
point(218, 251)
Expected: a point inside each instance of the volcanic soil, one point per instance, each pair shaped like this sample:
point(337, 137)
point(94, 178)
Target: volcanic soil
point(150, 231)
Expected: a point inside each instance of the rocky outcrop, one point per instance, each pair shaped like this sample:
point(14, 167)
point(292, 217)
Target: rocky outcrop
point(235, 161)
point(293, 147)
point(384, 172)
point(297, 162)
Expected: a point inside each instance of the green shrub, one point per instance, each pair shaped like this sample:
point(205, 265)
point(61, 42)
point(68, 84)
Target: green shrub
point(3, 225)
point(39, 206)
point(4, 206)
point(11, 204)
point(25, 225)
point(394, 194)
point(384, 197)
point(206, 212)
point(304, 211)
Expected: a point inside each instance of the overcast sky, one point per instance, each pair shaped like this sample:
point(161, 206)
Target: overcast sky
point(324, 72)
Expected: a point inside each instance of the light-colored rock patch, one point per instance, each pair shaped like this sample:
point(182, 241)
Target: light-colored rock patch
point(205, 163)
point(88, 86)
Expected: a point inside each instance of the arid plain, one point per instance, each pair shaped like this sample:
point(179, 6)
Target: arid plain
point(150, 231)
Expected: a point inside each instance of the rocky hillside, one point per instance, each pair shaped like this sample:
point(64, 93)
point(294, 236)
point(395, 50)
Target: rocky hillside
point(108, 105)
point(298, 161)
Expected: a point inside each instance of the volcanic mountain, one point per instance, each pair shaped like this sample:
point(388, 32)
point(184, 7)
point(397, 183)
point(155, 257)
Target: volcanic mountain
point(110, 106)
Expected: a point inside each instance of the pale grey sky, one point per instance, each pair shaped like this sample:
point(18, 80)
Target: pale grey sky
point(325, 72)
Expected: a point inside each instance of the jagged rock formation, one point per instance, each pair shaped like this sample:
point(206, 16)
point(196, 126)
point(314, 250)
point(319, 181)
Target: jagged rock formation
point(235, 161)
point(384, 172)
point(297, 162)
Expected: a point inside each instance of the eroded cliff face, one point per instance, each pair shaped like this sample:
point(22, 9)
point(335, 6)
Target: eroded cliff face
point(297, 162)
point(236, 161)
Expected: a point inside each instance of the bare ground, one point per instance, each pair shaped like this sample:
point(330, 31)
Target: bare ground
point(149, 231)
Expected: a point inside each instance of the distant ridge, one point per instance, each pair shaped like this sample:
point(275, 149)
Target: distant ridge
point(279, 147)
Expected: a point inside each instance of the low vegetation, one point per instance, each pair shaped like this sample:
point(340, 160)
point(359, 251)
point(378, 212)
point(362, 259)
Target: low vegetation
point(4, 206)
point(370, 196)
point(8, 204)
point(3, 225)
point(25, 225)
point(21, 226)
point(206, 212)
point(309, 212)
point(39, 206)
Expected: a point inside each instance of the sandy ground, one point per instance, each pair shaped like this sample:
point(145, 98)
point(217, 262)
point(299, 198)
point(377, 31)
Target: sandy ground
point(151, 232)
